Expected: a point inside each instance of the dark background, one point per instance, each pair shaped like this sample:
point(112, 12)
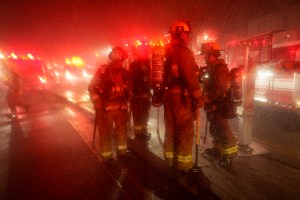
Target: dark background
point(58, 28)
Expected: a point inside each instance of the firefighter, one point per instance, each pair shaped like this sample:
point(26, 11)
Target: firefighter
point(216, 87)
point(182, 88)
point(110, 93)
point(12, 80)
point(140, 104)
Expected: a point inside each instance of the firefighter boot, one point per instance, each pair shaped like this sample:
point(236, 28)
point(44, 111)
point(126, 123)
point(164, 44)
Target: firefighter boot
point(147, 135)
point(228, 153)
point(109, 162)
point(144, 135)
point(12, 116)
point(226, 163)
point(214, 152)
point(125, 157)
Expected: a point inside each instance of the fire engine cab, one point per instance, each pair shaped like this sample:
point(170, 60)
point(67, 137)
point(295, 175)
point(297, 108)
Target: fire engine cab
point(274, 60)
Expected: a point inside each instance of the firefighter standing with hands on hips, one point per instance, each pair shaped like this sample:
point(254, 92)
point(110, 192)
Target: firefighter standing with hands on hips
point(140, 103)
point(182, 89)
point(110, 93)
point(216, 85)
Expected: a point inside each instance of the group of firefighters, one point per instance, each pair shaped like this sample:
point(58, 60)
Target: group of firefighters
point(184, 91)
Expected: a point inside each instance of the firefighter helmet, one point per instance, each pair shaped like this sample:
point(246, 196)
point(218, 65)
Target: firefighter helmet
point(180, 26)
point(211, 48)
point(118, 54)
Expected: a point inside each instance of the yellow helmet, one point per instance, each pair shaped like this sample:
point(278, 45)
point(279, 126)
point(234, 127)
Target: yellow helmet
point(180, 26)
point(118, 54)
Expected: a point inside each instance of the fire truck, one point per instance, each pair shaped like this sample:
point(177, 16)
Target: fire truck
point(274, 59)
point(77, 70)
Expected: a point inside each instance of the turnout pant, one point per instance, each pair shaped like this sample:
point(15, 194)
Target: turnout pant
point(179, 131)
point(113, 126)
point(222, 134)
point(140, 108)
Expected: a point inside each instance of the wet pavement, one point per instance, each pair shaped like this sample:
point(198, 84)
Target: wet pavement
point(46, 153)
point(43, 158)
point(266, 173)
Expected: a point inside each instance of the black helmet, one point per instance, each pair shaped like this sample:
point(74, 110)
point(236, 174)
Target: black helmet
point(118, 54)
point(211, 48)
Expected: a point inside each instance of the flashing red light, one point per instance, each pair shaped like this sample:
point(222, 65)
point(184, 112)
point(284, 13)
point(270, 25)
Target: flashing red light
point(138, 43)
point(30, 56)
point(14, 56)
point(2, 56)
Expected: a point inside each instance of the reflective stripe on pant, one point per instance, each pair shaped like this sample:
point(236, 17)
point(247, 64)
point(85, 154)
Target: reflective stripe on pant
point(140, 108)
point(121, 149)
point(230, 152)
point(222, 134)
point(106, 155)
point(169, 158)
point(138, 130)
point(182, 162)
point(179, 132)
point(119, 134)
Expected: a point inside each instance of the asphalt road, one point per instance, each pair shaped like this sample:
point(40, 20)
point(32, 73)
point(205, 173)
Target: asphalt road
point(270, 171)
point(46, 154)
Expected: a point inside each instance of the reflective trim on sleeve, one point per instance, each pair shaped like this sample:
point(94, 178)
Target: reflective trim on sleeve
point(185, 159)
point(169, 154)
point(231, 150)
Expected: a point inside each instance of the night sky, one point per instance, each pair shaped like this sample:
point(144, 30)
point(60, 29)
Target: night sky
point(59, 28)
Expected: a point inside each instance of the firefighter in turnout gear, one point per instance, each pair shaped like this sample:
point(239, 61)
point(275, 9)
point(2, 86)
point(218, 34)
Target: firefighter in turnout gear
point(110, 93)
point(182, 88)
point(216, 85)
point(140, 104)
point(12, 80)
